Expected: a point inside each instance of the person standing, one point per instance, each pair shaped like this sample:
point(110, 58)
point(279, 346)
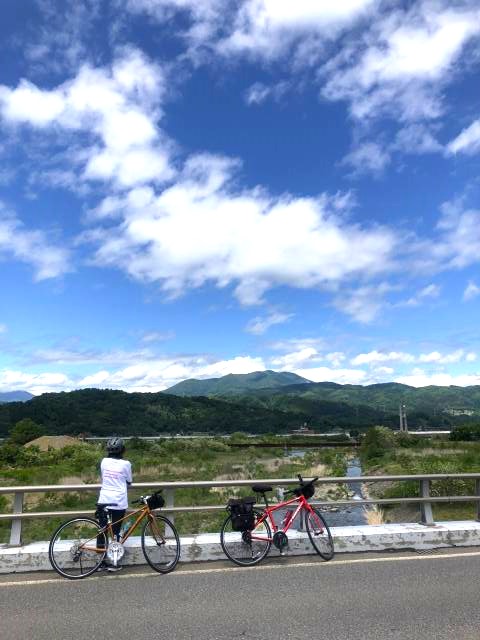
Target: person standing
point(116, 478)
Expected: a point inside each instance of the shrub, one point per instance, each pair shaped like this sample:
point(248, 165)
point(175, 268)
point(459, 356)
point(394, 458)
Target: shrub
point(377, 442)
point(25, 430)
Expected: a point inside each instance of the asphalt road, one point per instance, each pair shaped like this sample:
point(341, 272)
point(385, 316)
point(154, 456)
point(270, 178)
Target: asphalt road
point(403, 596)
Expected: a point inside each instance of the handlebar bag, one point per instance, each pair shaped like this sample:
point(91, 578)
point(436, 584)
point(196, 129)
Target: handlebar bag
point(156, 501)
point(306, 490)
point(241, 511)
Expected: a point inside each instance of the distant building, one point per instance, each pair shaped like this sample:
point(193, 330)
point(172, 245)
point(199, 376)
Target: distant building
point(458, 412)
point(303, 431)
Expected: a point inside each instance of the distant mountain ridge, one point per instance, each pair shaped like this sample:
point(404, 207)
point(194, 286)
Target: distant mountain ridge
point(15, 396)
point(262, 402)
point(237, 383)
point(428, 405)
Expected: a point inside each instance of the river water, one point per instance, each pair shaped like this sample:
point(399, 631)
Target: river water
point(344, 516)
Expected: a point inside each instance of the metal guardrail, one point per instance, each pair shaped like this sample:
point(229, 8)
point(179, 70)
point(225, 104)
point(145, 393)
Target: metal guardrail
point(425, 500)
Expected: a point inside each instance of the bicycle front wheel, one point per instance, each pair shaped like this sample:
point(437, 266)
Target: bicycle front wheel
point(77, 548)
point(319, 534)
point(246, 548)
point(160, 543)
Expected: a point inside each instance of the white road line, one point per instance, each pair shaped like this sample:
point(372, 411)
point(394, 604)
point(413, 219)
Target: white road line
point(265, 567)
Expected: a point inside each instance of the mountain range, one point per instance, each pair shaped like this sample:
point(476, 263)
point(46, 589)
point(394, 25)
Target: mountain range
point(259, 402)
point(233, 384)
point(15, 396)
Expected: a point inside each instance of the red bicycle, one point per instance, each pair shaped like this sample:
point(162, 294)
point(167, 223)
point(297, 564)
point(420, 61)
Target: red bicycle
point(246, 535)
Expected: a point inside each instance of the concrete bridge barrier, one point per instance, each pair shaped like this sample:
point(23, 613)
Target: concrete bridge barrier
point(206, 547)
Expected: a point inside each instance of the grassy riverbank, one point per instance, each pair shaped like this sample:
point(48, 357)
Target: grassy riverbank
point(168, 460)
point(408, 454)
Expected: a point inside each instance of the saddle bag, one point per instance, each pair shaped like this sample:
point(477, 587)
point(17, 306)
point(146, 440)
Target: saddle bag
point(241, 511)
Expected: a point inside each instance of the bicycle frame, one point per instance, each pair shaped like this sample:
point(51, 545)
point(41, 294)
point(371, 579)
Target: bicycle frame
point(108, 529)
point(303, 505)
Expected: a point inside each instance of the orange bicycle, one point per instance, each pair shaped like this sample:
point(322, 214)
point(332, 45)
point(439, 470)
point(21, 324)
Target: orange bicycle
point(246, 535)
point(79, 546)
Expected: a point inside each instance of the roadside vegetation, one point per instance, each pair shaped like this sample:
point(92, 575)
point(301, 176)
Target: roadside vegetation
point(384, 452)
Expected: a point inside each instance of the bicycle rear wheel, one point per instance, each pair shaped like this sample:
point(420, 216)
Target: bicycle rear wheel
point(160, 543)
point(246, 548)
point(319, 534)
point(77, 548)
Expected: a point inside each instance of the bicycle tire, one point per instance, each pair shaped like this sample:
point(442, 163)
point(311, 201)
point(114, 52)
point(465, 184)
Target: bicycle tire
point(158, 547)
point(235, 543)
point(328, 551)
point(67, 560)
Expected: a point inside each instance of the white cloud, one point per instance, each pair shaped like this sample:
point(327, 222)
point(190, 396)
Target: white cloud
point(243, 238)
point(416, 138)
point(369, 157)
point(435, 356)
point(267, 28)
point(295, 359)
point(471, 291)
point(468, 141)
point(297, 344)
point(143, 375)
point(340, 376)
point(374, 357)
point(157, 336)
point(60, 39)
point(400, 66)
point(89, 356)
point(383, 371)
point(119, 107)
point(31, 247)
point(471, 357)
point(163, 373)
point(431, 291)
point(458, 242)
point(35, 383)
point(364, 303)
point(3, 328)
point(261, 324)
point(419, 378)
point(335, 358)
point(258, 92)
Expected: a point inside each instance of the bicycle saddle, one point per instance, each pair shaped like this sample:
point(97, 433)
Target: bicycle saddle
point(261, 488)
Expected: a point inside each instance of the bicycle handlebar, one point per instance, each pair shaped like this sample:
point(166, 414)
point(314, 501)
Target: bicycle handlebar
point(302, 483)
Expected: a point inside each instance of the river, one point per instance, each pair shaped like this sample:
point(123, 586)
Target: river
point(344, 516)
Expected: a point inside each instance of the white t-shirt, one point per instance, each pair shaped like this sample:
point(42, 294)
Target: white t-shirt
point(115, 475)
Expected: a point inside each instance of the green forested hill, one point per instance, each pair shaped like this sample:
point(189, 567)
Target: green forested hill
point(262, 410)
point(387, 397)
point(235, 384)
point(384, 397)
point(103, 412)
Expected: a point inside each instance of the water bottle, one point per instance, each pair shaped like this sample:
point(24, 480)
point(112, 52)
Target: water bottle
point(126, 524)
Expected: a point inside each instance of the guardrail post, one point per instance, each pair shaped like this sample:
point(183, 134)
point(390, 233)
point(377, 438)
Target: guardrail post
point(170, 502)
point(477, 492)
point(16, 530)
point(426, 507)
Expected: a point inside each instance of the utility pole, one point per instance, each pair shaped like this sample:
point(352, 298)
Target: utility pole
point(403, 418)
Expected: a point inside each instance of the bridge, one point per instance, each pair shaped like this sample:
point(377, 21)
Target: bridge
point(401, 596)
point(421, 582)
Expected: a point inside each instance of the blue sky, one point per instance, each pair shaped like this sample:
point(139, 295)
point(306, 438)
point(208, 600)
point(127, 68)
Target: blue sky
point(194, 189)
